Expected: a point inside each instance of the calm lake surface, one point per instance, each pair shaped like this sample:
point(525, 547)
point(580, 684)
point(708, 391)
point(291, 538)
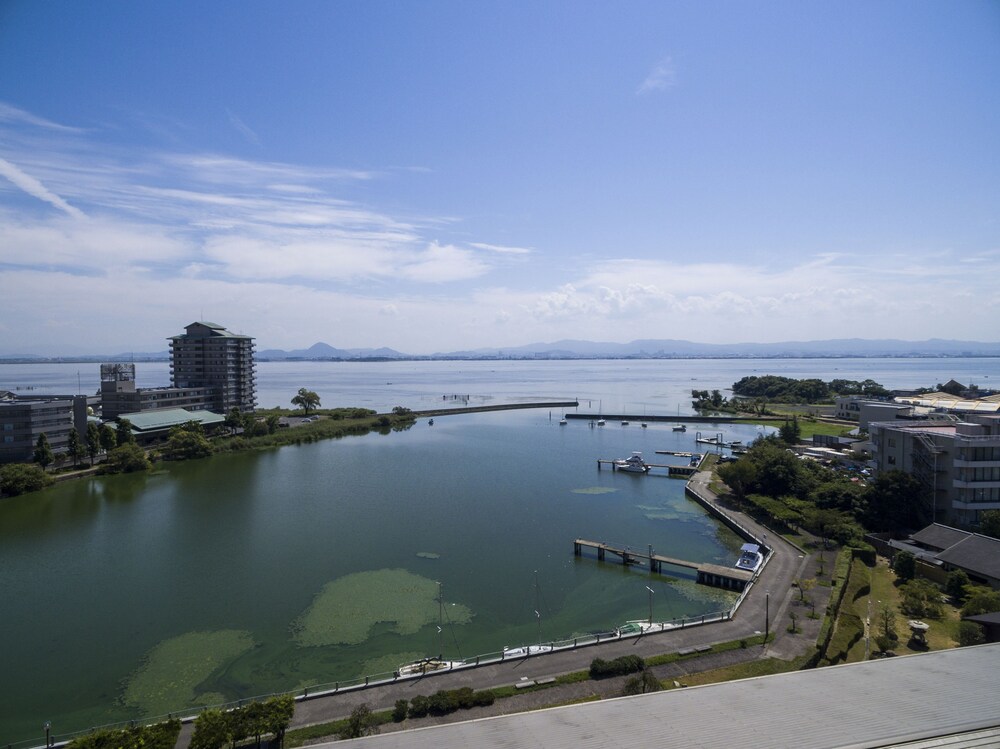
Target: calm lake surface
point(128, 597)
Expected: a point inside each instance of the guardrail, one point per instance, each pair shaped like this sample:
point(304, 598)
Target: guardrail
point(327, 689)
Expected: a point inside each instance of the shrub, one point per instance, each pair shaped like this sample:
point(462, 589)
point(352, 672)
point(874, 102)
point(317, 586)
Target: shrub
point(626, 664)
point(158, 736)
point(955, 585)
point(21, 478)
point(921, 598)
point(400, 710)
point(419, 706)
point(970, 633)
point(641, 684)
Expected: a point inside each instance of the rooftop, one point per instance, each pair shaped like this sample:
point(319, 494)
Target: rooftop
point(164, 418)
point(877, 703)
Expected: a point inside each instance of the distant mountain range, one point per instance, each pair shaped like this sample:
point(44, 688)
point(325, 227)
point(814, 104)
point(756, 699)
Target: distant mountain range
point(665, 349)
point(571, 349)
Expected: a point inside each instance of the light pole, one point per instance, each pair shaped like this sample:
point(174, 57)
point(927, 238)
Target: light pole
point(650, 605)
point(767, 615)
point(868, 627)
point(48, 731)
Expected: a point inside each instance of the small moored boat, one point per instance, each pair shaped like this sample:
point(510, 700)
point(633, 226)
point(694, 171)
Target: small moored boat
point(632, 464)
point(426, 666)
point(750, 558)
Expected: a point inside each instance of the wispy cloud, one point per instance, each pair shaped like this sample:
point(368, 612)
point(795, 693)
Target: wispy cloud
point(10, 113)
point(501, 249)
point(243, 128)
point(660, 78)
point(35, 188)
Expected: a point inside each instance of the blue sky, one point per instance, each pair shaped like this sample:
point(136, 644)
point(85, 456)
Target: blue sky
point(452, 175)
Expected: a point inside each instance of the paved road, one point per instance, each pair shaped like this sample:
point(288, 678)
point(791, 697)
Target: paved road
point(773, 594)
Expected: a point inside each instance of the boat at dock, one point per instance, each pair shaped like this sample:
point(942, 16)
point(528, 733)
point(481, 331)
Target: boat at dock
point(524, 650)
point(750, 558)
point(427, 666)
point(680, 427)
point(632, 464)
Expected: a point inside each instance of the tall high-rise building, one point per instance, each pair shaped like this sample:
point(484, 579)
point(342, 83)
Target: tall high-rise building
point(209, 356)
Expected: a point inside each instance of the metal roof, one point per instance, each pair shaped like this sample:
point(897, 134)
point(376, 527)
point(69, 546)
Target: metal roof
point(976, 553)
point(939, 536)
point(878, 703)
point(164, 418)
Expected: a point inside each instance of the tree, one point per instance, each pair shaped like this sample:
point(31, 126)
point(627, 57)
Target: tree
point(643, 683)
point(108, 438)
point(896, 501)
point(739, 476)
point(93, 441)
point(989, 523)
point(43, 452)
point(21, 478)
point(234, 420)
point(306, 399)
point(362, 722)
point(790, 431)
point(123, 432)
point(126, 459)
point(805, 586)
point(186, 442)
point(400, 710)
point(211, 730)
point(955, 585)
point(904, 564)
point(278, 714)
point(981, 600)
point(779, 472)
point(921, 598)
point(75, 448)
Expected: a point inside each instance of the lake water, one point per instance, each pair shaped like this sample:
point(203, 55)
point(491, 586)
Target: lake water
point(241, 575)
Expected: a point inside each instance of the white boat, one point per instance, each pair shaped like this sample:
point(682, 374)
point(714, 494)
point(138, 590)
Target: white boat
point(750, 558)
point(680, 427)
point(601, 422)
point(562, 421)
point(632, 464)
point(624, 423)
point(427, 666)
point(524, 650)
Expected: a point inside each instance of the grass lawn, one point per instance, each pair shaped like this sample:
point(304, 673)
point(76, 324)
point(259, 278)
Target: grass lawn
point(763, 667)
point(943, 632)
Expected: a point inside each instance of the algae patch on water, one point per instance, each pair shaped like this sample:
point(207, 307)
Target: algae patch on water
point(595, 490)
point(170, 673)
point(347, 609)
point(428, 555)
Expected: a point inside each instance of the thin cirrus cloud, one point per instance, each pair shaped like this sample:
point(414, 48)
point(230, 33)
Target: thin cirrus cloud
point(213, 215)
point(662, 77)
point(33, 187)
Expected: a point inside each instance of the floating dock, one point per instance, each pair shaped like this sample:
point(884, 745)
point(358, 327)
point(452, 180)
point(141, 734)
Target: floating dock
point(676, 471)
point(715, 575)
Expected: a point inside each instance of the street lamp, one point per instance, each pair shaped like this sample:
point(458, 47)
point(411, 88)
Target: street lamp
point(767, 615)
point(48, 731)
point(650, 605)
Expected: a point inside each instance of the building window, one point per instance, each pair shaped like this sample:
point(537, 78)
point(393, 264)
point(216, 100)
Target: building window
point(892, 442)
point(891, 460)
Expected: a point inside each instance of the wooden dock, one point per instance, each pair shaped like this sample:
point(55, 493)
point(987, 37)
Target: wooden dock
point(707, 574)
point(677, 471)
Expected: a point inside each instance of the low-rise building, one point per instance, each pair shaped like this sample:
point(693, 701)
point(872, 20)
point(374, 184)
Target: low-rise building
point(958, 462)
point(22, 420)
